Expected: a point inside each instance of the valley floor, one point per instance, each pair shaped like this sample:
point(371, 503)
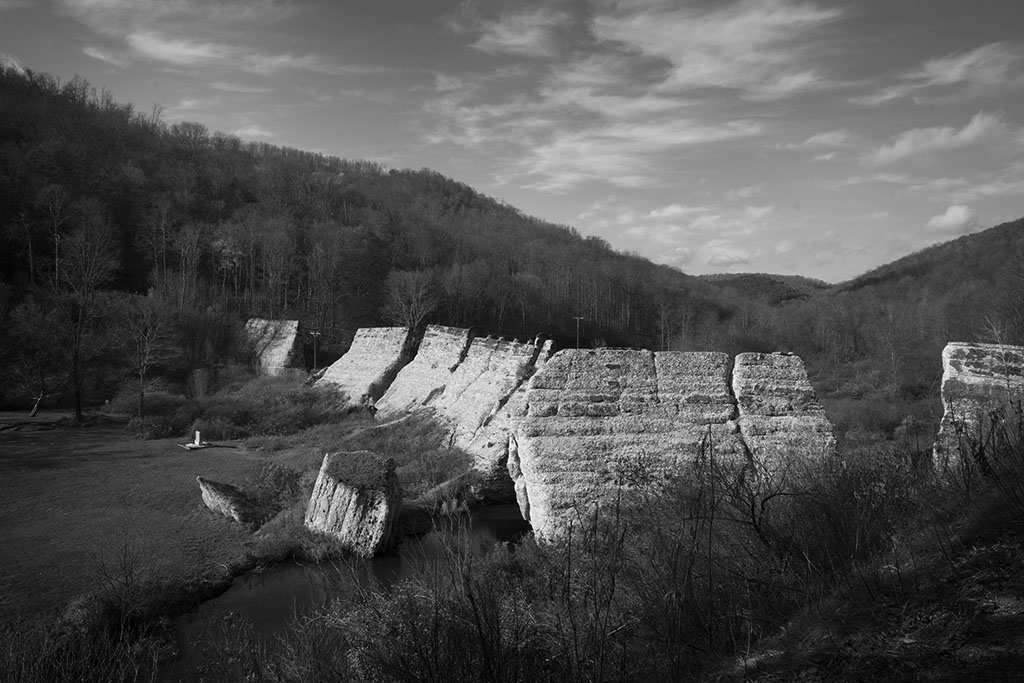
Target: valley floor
point(81, 506)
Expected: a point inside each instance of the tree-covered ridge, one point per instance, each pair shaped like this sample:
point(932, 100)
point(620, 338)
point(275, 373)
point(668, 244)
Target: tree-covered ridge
point(218, 230)
point(212, 221)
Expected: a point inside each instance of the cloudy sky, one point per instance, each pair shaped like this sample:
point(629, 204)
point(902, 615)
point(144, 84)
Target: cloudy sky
point(817, 137)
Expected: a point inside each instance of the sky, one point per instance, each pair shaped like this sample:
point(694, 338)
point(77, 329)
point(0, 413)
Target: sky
point(819, 138)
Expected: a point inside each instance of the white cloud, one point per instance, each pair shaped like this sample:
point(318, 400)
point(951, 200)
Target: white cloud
point(622, 154)
point(105, 56)
point(239, 88)
point(825, 157)
point(674, 210)
point(253, 131)
point(177, 52)
point(957, 219)
point(13, 4)
point(998, 187)
point(832, 138)
point(194, 104)
point(153, 31)
point(760, 47)
point(982, 127)
point(747, 192)
point(523, 33)
point(852, 181)
point(727, 255)
point(120, 17)
point(992, 65)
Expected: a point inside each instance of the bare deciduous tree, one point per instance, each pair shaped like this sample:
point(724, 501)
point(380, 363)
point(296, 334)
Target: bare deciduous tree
point(86, 266)
point(411, 296)
point(145, 337)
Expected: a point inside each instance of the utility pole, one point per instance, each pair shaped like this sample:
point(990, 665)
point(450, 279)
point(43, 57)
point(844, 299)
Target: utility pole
point(578, 319)
point(315, 334)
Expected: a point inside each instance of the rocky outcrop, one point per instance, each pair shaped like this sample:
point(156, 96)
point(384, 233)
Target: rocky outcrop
point(779, 417)
point(356, 500)
point(231, 502)
point(424, 379)
point(981, 384)
point(275, 342)
point(370, 365)
point(598, 422)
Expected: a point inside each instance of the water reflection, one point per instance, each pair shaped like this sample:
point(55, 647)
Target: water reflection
point(267, 600)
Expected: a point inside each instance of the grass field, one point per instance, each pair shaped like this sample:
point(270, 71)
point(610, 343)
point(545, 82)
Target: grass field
point(75, 502)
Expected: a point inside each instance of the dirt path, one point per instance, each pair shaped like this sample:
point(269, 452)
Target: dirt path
point(77, 502)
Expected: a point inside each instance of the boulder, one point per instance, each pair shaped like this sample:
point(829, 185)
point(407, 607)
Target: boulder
point(230, 502)
point(425, 377)
point(982, 384)
point(276, 343)
point(600, 422)
point(356, 500)
point(370, 365)
point(780, 418)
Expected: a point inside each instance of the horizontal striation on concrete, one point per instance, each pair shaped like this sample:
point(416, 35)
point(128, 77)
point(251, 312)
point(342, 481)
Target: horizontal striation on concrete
point(596, 420)
point(779, 416)
point(980, 383)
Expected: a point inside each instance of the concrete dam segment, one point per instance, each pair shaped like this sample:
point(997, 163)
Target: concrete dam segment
point(369, 366)
point(594, 419)
point(275, 342)
point(426, 376)
point(565, 430)
point(982, 385)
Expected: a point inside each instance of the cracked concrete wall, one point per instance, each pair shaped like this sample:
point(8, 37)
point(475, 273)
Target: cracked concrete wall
point(369, 366)
point(977, 379)
point(423, 380)
point(276, 343)
point(779, 416)
point(594, 422)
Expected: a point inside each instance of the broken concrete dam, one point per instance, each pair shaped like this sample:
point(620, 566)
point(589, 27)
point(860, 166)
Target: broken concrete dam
point(557, 431)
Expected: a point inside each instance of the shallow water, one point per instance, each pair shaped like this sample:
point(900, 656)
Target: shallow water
point(267, 600)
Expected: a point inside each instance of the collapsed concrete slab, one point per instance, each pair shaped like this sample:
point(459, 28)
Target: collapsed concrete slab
point(275, 342)
point(356, 500)
point(231, 502)
point(982, 385)
point(371, 363)
point(780, 418)
point(601, 421)
point(426, 376)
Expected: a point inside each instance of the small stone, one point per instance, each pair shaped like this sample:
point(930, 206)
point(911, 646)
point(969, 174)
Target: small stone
point(230, 502)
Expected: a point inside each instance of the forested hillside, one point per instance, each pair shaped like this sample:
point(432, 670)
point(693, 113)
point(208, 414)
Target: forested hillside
point(101, 204)
point(100, 201)
point(873, 345)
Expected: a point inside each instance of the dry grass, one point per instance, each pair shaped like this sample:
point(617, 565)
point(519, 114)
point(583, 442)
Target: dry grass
point(73, 496)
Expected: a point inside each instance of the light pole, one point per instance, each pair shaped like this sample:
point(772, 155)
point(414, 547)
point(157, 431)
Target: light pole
point(578, 319)
point(315, 334)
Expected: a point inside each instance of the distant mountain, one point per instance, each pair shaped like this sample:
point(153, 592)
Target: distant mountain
point(767, 288)
point(986, 257)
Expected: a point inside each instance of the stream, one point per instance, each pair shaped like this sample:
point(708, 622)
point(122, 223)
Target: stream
point(268, 599)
